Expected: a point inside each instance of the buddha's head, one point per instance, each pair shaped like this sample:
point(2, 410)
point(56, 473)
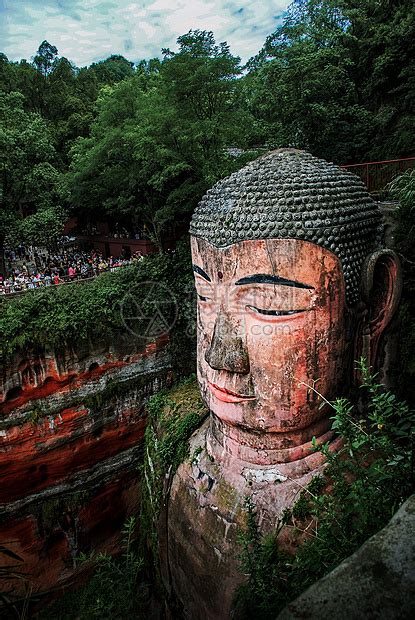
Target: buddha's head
point(292, 287)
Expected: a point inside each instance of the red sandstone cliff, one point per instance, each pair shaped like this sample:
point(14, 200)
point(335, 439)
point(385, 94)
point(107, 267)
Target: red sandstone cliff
point(71, 430)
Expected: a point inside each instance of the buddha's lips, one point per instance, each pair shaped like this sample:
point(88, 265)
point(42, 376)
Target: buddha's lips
point(227, 396)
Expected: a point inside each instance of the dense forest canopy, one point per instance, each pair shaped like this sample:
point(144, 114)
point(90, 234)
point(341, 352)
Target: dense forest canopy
point(141, 142)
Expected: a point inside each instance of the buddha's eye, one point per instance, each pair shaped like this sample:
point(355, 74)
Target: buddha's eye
point(274, 312)
point(205, 292)
point(269, 303)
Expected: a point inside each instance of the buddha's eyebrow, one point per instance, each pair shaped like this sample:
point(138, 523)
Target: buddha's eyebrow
point(263, 278)
point(202, 273)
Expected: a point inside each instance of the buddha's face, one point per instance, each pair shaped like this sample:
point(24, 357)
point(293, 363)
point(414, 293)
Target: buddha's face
point(271, 331)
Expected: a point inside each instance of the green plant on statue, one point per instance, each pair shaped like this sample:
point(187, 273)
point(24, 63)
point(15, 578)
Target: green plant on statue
point(362, 486)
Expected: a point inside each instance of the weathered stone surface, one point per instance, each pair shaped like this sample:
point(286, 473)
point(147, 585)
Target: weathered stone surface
point(206, 513)
point(71, 430)
point(292, 288)
point(375, 583)
point(50, 534)
point(389, 347)
point(269, 342)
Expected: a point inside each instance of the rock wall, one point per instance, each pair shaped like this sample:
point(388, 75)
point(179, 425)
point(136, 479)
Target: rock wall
point(378, 581)
point(71, 431)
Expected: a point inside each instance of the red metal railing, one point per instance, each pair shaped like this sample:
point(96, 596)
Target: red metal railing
point(377, 174)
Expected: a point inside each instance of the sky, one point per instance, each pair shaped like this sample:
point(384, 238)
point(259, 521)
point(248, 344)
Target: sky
point(86, 31)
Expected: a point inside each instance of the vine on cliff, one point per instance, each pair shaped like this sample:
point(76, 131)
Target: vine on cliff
point(173, 416)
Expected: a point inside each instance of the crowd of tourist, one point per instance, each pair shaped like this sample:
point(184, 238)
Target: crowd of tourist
point(31, 268)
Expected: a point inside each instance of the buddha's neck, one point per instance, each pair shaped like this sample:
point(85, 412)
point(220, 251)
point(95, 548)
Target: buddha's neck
point(224, 441)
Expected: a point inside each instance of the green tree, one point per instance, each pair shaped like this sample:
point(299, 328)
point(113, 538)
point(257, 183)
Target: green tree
point(56, 89)
point(300, 85)
point(200, 85)
point(45, 58)
point(199, 80)
point(113, 69)
point(44, 62)
point(29, 181)
point(160, 137)
point(7, 74)
point(67, 108)
point(403, 190)
point(337, 77)
point(113, 173)
point(382, 46)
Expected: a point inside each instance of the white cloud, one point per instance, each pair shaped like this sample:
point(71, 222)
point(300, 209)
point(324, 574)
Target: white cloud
point(87, 30)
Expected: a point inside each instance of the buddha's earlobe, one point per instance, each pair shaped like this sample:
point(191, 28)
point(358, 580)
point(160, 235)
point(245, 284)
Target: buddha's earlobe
point(381, 287)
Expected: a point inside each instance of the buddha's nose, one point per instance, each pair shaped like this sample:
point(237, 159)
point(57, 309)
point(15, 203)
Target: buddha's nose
point(227, 350)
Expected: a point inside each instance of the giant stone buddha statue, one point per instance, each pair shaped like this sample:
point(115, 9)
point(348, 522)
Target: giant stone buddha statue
point(292, 286)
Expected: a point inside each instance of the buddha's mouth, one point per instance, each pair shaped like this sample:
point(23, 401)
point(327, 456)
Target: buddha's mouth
point(228, 396)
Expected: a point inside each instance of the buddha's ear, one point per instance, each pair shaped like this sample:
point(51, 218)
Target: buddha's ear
point(381, 287)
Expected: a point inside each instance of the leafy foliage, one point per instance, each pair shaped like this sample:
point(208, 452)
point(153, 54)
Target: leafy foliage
point(403, 189)
point(173, 416)
point(55, 316)
point(140, 144)
point(29, 180)
point(337, 78)
point(383, 49)
point(10, 572)
point(159, 138)
point(115, 590)
point(362, 486)
point(301, 84)
point(119, 587)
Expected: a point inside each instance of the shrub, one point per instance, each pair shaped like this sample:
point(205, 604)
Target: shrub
point(362, 486)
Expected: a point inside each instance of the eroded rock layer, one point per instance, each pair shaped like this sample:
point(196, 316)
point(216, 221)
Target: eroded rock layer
point(71, 431)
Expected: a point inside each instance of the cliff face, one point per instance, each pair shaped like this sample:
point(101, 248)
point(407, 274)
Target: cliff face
point(71, 429)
